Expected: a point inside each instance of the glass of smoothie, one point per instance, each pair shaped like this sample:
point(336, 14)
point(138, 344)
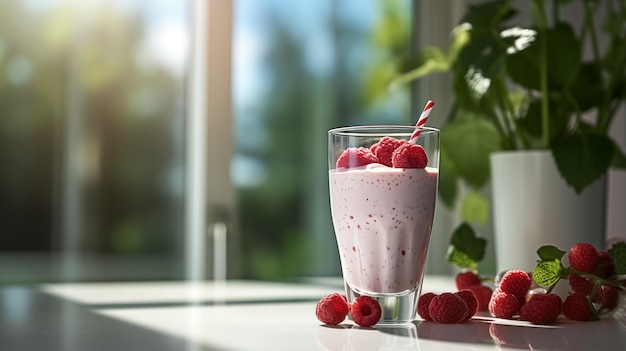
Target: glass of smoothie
point(383, 190)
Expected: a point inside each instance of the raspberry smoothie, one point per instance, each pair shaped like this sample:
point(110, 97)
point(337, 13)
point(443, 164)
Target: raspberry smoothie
point(382, 218)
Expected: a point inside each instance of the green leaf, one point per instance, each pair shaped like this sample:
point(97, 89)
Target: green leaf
point(475, 208)
point(523, 65)
point(488, 14)
point(448, 180)
point(466, 248)
point(564, 59)
point(587, 88)
point(619, 159)
point(549, 252)
point(430, 60)
point(582, 159)
point(460, 259)
point(548, 272)
point(479, 61)
point(564, 55)
point(618, 252)
point(469, 140)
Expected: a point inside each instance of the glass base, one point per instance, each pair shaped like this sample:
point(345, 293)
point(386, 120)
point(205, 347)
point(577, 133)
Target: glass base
point(395, 308)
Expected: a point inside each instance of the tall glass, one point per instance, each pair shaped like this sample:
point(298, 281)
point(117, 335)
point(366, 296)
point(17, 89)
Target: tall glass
point(383, 214)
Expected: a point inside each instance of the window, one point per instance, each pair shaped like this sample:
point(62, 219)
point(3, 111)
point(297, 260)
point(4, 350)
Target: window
point(301, 68)
point(92, 139)
point(123, 156)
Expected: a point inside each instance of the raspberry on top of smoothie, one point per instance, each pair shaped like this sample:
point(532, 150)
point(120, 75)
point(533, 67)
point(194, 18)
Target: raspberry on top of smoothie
point(388, 151)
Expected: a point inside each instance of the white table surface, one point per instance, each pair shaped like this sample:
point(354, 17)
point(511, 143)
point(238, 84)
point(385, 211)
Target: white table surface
point(247, 315)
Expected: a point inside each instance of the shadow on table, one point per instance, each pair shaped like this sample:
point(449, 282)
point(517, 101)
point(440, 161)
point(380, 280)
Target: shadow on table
point(31, 320)
point(513, 334)
point(350, 337)
point(563, 335)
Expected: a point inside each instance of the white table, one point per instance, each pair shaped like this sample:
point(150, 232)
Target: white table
point(247, 315)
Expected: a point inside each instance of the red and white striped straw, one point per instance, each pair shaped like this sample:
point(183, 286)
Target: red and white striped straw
point(422, 121)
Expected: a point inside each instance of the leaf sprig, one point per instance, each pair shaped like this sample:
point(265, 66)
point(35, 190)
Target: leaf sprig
point(467, 249)
point(550, 270)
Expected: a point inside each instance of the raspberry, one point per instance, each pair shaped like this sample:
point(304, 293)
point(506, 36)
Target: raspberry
point(550, 298)
point(464, 280)
point(422, 306)
point(541, 309)
point(332, 309)
point(607, 297)
point(606, 265)
point(365, 311)
point(576, 307)
point(385, 148)
point(356, 157)
point(580, 284)
point(447, 308)
point(409, 155)
point(515, 282)
point(503, 304)
point(583, 257)
point(471, 302)
point(373, 148)
point(483, 295)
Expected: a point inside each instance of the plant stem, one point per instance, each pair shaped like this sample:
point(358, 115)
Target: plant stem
point(506, 106)
point(606, 112)
point(592, 30)
point(543, 74)
point(568, 95)
point(601, 281)
point(592, 296)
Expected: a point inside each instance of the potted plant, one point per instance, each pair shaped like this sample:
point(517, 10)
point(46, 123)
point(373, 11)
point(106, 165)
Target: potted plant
point(529, 102)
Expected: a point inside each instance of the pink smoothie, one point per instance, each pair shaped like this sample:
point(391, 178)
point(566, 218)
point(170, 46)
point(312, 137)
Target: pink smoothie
point(382, 218)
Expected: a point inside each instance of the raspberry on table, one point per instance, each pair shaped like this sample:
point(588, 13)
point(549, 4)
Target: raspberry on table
point(409, 155)
point(356, 157)
point(583, 257)
point(384, 149)
point(447, 308)
point(483, 295)
point(515, 282)
point(464, 280)
point(541, 309)
point(580, 284)
point(470, 300)
point(606, 265)
point(550, 298)
point(576, 307)
point(365, 311)
point(503, 305)
point(332, 309)
point(607, 297)
point(422, 305)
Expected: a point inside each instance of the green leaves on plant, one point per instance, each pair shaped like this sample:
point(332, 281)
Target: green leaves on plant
point(486, 14)
point(469, 140)
point(431, 60)
point(475, 208)
point(618, 252)
point(548, 272)
point(587, 88)
point(448, 179)
point(564, 59)
point(582, 159)
point(619, 159)
point(466, 249)
point(549, 252)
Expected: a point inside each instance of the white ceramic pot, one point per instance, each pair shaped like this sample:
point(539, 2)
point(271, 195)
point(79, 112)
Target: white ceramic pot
point(533, 206)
